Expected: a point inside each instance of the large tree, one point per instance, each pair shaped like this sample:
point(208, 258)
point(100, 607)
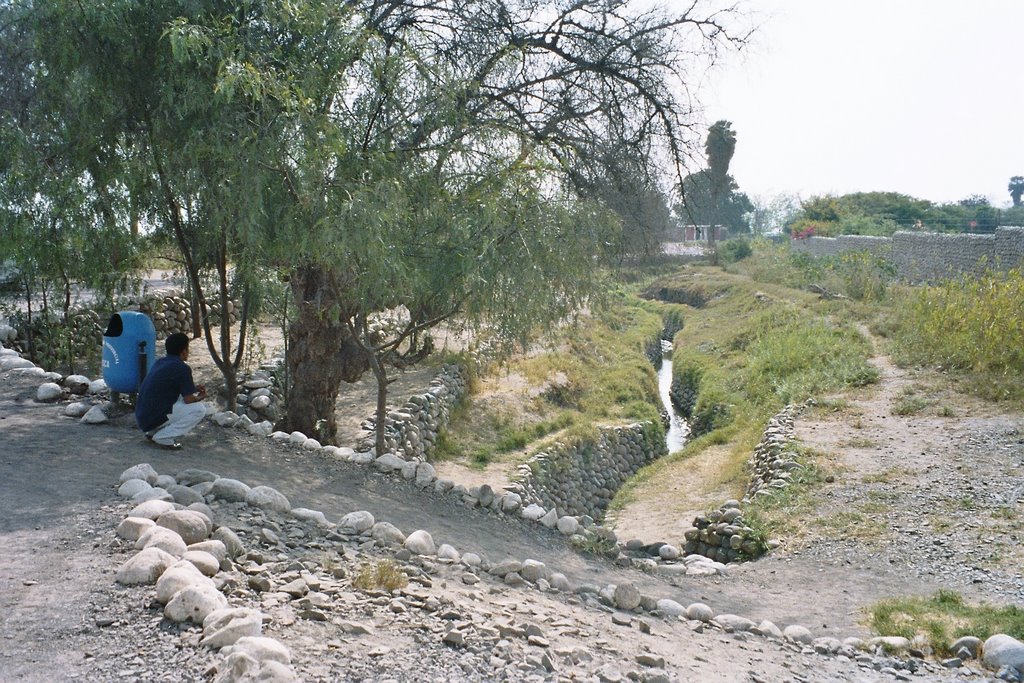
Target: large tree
point(719, 147)
point(1016, 189)
point(699, 207)
point(386, 153)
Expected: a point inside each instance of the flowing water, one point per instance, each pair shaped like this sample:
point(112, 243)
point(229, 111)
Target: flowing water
point(678, 430)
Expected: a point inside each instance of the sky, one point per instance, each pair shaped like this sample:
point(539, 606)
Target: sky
point(922, 97)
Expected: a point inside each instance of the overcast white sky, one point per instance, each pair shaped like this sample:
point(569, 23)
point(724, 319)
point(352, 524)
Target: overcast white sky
point(923, 97)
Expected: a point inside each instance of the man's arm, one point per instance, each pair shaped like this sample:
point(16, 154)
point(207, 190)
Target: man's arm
point(196, 397)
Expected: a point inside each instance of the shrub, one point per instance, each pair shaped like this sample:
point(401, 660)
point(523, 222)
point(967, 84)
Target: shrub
point(382, 575)
point(735, 250)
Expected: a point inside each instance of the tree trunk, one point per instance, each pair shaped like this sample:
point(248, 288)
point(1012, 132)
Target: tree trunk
point(381, 373)
point(321, 354)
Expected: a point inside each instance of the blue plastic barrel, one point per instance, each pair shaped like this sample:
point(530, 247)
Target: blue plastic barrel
point(129, 351)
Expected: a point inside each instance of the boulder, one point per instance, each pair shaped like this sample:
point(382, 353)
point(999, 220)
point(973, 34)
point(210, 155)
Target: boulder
point(1002, 650)
point(267, 497)
point(95, 416)
point(177, 577)
point(77, 384)
point(144, 567)
point(261, 649)
point(626, 596)
point(230, 539)
point(230, 490)
point(163, 538)
point(151, 509)
point(206, 563)
point(356, 522)
point(189, 524)
point(48, 392)
point(133, 487)
point(224, 627)
point(387, 532)
point(142, 471)
point(194, 603)
point(131, 528)
point(215, 548)
point(420, 542)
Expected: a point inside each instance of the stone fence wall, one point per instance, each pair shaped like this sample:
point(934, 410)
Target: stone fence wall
point(581, 478)
point(928, 256)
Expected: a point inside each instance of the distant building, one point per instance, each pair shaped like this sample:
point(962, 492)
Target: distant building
point(699, 233)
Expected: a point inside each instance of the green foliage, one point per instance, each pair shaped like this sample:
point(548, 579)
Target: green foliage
point(970, 325)
point(944, 617)
point(698, 205)
point(748, 352)
point(734, 250)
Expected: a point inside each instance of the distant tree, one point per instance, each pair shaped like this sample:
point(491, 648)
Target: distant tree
point(1016, 189)
point(771, 214)
point(719, 147)
point(698, 206)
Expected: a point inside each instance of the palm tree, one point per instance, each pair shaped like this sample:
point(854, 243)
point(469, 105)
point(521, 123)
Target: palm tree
point(1016, 188)
point(720, 146)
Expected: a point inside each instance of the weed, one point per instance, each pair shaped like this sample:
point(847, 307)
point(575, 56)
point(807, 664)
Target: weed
point(910, 405)
point(381, 575)
point(942, 618)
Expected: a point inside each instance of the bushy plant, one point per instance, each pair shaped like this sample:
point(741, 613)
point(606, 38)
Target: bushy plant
point(971, 324)
point(734, 250)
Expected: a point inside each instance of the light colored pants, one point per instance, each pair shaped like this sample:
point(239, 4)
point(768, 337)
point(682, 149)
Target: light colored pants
point(182, 418)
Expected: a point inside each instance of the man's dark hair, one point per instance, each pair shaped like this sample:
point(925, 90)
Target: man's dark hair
point(176, 343)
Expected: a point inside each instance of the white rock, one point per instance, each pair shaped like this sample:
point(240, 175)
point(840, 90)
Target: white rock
point(447, 552)
point(230, 540)
point(261, 649)
point(191, 475)
point(142, 471)
point(211, 547)
point(533, 512)
point(151, 509)
point(131, 528)
point(97, 386)
point(307, 515)
point(179, 576)
point(165, 480)
point(297, 438)
point(77, 384)
point(511, 502)
point(409, 470)
point(203, 561)
point(14, 363)
point(191, 526)
point(94, 416)
point(357, 522)
point(185, 495)
point(568, 525)
point(362, 458)
point(263, 428)
point(668, 552)
point(389, 462)
point(239, 667)
point(533, 571)
point(152, 493)
point(144, 567)
point(344, 452)
point(260, 402)
point(311, 444)
point(735, 622)
point(230, 490)
point(267, 497)
point(560, 582)
point(48, 392)
point(671, 608)
point(550, 519)
point(225, 418)
point(224, 627)
point(194, 603)
point(77, 409)
point(387, 533)
point(283, 436)
point(626, 596)
point(1002, 650)
point(769, 630)
point(698, 611)
point(890, 644)
point(420, 542)
point(796, 633)
point(425, 474)
point(163, 538)
point(133, 487)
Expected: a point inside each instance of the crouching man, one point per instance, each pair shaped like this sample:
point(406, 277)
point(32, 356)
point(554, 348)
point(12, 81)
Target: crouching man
point(169, 404)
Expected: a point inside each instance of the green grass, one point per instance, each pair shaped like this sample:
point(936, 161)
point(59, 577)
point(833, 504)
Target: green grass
point(971, 326)
point(942, 618)
point(588, 375)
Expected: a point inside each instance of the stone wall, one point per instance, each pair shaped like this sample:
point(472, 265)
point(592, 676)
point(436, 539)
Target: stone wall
point(928, 256)
point(581, 478)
